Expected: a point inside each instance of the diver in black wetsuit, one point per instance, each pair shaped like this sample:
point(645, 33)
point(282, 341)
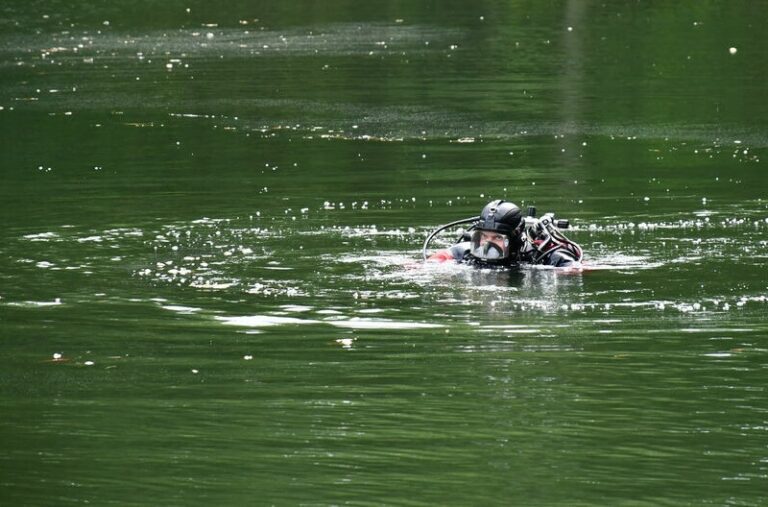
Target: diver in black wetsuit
point(502, 237)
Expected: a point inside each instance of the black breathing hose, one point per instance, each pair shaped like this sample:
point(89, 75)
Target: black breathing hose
point(441, 229)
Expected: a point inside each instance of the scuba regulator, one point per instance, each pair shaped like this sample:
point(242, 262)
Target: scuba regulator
point(543, 236)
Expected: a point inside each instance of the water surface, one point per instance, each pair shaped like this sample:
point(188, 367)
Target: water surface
point(212, 291)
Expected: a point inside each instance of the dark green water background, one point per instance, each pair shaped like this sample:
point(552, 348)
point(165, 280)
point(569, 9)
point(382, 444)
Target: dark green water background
point(214, 214)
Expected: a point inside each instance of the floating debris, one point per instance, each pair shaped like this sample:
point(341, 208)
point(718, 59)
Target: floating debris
point(346, 342)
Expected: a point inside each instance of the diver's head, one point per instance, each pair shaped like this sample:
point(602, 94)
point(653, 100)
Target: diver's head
point(496, 235)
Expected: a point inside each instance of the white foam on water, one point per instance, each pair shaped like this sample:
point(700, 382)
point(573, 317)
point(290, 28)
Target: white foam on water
point(264, 321)
point(361, 323)
point(182, 309)
point(91, 239)
point(36, 304)
point(510, 330)
point(257, 321)
point(212, 285)
point(513, 328)
point(43, 236)
point(296, 308)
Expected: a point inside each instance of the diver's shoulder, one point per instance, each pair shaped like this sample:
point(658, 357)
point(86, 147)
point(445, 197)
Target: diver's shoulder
point(562, 259)
point(459, 251)
point(559, 258)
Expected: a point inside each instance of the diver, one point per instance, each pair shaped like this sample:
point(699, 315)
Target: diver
point(502, 237)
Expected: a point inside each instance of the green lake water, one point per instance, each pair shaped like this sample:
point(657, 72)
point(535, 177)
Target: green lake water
point(211, 287)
